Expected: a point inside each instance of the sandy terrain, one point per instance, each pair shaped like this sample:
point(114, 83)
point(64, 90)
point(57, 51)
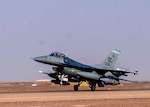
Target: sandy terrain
point(64, 96)
point(82, 103)
point(24, 95)
point(26, 87)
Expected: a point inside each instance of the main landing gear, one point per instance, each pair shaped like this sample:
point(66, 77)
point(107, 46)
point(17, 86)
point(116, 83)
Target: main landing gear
point(76, 87)
point(92, 85)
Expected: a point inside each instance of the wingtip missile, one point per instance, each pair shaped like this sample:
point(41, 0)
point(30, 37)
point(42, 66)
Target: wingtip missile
point(42, 72)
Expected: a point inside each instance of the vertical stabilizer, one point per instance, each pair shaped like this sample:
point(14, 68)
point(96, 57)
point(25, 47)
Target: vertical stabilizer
point(110, 61)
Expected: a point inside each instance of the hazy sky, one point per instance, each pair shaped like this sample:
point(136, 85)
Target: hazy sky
point(85, 30)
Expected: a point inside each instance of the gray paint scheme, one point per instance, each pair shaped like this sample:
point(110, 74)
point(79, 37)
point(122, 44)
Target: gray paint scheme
point(68, 70)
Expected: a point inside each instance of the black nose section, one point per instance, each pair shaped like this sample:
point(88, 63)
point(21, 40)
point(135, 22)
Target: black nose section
point(40, 59)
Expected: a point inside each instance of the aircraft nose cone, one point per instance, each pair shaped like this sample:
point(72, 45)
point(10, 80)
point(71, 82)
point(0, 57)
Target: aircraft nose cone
point(40, 59)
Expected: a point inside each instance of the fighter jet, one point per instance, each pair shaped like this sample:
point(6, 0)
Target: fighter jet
point(67, 70)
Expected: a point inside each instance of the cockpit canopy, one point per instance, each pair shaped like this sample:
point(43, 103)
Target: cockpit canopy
point(57, 54)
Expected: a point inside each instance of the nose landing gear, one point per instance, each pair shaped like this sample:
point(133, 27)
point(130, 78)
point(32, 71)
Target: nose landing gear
point(76, 87)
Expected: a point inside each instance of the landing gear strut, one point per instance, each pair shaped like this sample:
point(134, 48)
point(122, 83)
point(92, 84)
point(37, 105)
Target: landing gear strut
point(92, 85)
point(76, 87)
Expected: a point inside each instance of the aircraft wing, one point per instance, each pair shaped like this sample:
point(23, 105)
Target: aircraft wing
point(74, 64)
point(101, 71)
point(119, 71)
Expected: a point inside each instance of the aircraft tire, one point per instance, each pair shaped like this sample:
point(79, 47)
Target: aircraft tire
point(92, 85)
point(76, 87)
point(93, 88)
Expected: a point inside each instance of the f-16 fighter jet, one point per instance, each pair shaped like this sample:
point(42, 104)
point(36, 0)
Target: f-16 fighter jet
point(68, 70)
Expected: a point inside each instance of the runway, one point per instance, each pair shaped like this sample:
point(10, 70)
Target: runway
point(69, 96)
point(25, 95)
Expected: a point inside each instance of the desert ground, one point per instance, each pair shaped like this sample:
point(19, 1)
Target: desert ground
point(22, 94)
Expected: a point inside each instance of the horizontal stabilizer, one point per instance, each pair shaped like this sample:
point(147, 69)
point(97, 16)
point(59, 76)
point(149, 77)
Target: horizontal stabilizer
point(127, 71)
point(127, 80)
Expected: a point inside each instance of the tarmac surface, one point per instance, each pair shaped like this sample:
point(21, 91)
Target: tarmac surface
point(67, 96)
point(64, 96)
